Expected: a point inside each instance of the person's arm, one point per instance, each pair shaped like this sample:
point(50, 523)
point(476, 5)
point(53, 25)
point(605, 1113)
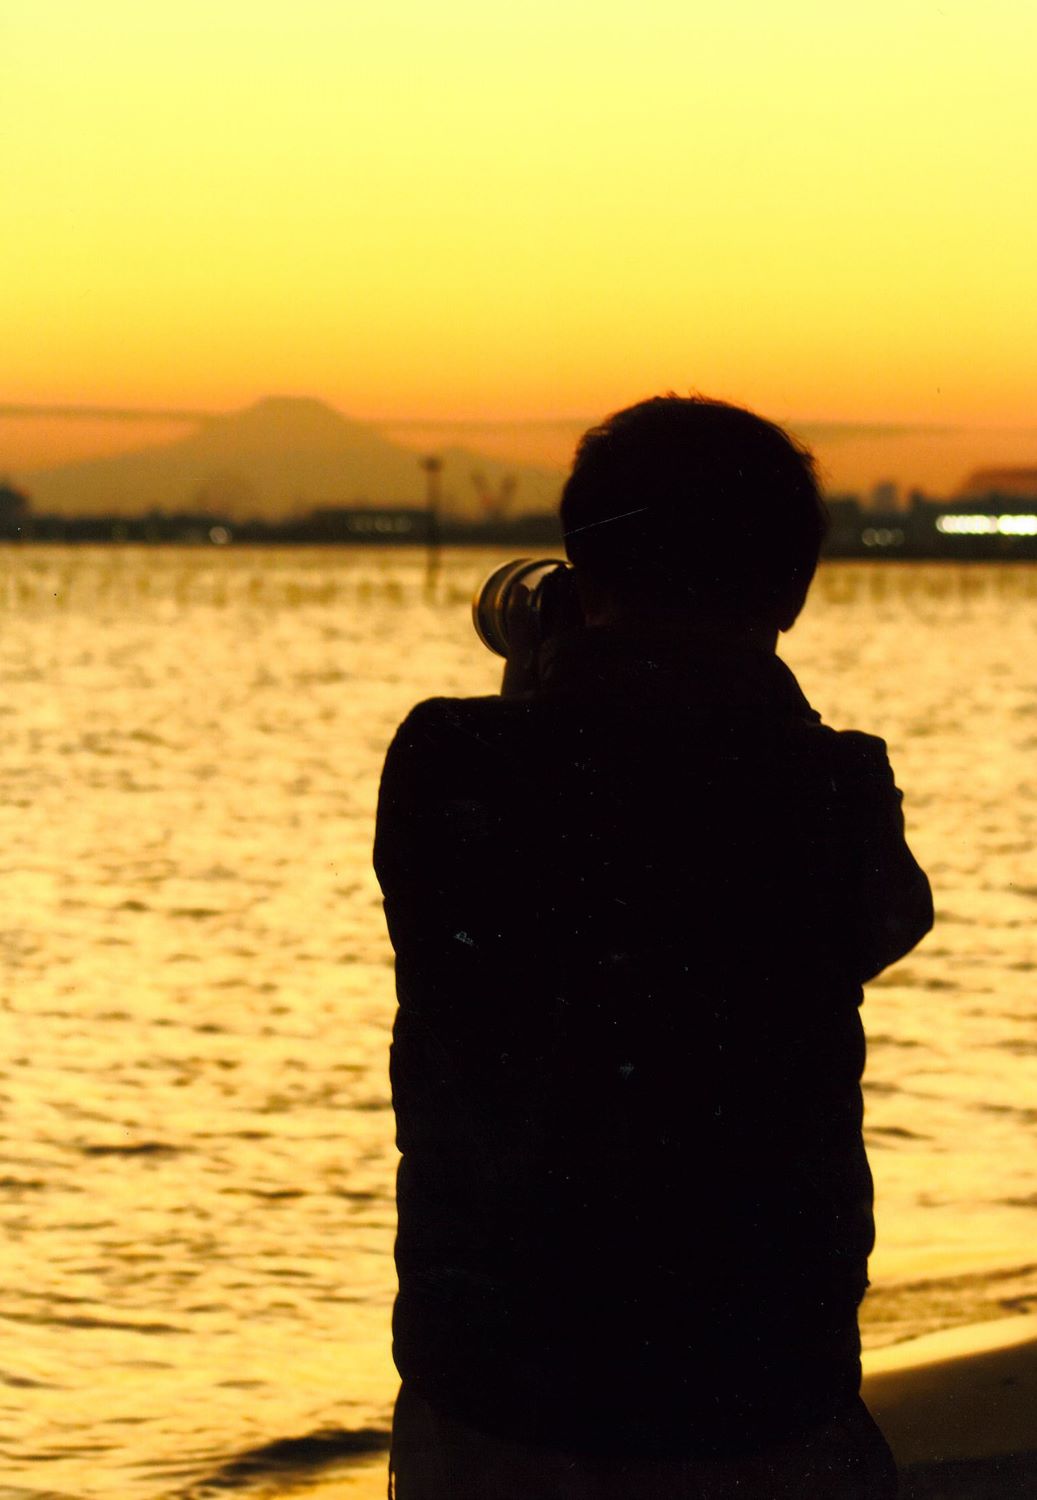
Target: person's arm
point(419, 832)
point(452, 860)
point(447, 839)
point(520, 669)
point(887, 898)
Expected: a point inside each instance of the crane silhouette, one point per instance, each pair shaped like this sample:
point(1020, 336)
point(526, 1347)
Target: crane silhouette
point(494, 502)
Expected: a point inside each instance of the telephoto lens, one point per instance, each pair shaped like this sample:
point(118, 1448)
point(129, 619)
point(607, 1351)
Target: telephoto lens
point(553, 601)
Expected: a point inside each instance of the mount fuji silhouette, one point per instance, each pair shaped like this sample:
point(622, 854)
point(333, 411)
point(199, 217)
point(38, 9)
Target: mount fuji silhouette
point(282, 456)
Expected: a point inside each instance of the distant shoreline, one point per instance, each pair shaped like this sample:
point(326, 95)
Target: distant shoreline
point(995, 523)
point(878, 541)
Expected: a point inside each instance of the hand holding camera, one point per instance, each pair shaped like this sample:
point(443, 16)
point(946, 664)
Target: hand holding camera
point(519, 606)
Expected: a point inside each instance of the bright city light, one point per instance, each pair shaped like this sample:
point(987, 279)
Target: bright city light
point(1017, 525)
point(986, 525)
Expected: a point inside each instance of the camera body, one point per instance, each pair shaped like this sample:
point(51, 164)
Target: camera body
point(553, 601)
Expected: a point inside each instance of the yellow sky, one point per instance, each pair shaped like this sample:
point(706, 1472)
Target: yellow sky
point(459, 210)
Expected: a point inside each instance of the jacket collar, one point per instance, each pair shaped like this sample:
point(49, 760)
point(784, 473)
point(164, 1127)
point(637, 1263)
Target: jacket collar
point(670, 667)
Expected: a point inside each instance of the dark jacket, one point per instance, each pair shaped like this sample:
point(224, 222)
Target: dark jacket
point(632, 914)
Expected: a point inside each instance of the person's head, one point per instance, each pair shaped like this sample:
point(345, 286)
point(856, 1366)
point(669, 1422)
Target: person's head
point(695, 508)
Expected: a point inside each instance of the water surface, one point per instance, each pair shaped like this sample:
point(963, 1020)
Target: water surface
point(196, 1145)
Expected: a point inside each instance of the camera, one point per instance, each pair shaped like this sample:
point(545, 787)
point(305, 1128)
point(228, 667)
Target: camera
point(553, 602)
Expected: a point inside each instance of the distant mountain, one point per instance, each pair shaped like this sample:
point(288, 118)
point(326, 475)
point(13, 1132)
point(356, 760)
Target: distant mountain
point(282, 456)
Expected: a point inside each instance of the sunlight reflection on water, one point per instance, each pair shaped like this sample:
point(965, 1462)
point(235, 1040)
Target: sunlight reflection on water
point(197, 1175)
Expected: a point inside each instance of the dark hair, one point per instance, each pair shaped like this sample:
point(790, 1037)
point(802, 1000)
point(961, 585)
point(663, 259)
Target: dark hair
point(697, 503)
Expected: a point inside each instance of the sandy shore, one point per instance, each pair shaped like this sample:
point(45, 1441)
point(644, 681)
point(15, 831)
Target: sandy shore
point(959, 1410)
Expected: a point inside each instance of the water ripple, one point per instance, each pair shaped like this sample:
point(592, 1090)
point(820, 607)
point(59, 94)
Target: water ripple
point(288, 1458)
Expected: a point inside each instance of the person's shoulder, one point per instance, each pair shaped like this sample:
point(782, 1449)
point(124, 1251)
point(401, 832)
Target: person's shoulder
point(855, 764)
point(859, 751)
point(848, 743)
point(443, 715)
point(839, 757)
point(436, 724)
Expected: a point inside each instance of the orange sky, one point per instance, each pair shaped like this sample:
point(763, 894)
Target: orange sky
point(464, 211)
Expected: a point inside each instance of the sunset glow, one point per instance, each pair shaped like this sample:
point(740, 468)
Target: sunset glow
point(458, 211)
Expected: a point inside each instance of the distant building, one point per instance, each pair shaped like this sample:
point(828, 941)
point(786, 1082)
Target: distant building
point(994, 528)
point(885, 495)
point(14, 510)
point(367, 524)
point(988, 524)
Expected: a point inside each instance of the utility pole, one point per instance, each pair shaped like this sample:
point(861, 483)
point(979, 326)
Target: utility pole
point(433, 467)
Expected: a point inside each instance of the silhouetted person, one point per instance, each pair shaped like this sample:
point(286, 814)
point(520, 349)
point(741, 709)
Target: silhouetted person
point(633, 902)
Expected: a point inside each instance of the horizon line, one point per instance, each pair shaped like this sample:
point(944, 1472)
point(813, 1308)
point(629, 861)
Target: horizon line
point(78, 411)
point(86, 412)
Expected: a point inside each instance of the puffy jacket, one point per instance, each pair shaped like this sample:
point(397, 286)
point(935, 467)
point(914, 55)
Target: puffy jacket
point(632, 915)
